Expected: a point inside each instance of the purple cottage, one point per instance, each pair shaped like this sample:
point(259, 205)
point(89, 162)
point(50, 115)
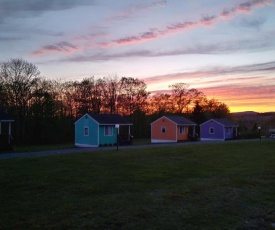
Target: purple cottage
point(218, 129)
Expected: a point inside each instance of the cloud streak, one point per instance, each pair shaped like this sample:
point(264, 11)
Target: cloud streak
point(222, 48)
point(135, 9)
point(180, 27)
point(156, 33)
point(246, 97)
point(210, 75)
point(243, 96)
point(245, 7)
point(29, 8)
point(61, 47)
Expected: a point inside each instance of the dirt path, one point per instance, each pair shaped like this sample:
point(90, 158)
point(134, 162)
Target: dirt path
point(114, 148)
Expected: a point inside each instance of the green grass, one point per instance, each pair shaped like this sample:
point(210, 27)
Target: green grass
point(207, 186)
point(35, 148)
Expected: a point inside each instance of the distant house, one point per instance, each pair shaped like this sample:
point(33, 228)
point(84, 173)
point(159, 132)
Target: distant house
point(272, 133)
point(93, 130)
point(218, 129)
point(172, 129)
point(6, 141)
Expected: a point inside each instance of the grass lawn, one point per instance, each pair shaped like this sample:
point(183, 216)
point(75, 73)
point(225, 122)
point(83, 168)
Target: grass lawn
point(35, 148)
point(227, 185)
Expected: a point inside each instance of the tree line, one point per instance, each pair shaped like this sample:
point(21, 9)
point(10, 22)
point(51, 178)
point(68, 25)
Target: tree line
point(45, 110)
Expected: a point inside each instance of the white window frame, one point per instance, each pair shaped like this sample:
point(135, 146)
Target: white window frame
point(108, 130)
point(182, 129)
point(210, 129)
point(163, 129)
point(86, 131)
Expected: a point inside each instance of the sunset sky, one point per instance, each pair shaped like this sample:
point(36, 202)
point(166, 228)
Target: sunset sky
point(226, 48)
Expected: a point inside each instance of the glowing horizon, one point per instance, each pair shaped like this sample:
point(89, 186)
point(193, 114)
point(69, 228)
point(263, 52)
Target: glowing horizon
point(224, 49)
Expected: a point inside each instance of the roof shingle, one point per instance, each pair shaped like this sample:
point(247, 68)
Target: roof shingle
point(110, 119)
point(225, 122)
point(179, 120)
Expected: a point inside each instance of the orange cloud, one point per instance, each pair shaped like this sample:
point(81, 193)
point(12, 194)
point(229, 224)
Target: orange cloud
point(240, 97)
point(259, 98)
point(249, 87)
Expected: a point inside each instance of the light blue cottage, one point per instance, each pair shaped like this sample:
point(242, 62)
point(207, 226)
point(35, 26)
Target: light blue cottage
point(93, 130)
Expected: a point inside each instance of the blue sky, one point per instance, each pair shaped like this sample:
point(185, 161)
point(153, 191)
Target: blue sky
point(223, 48)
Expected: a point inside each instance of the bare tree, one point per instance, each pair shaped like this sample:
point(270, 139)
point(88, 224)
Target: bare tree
point(184, 97)
point(133, 95)
point(216, 109)
point(160, 103)
point(19, 78)
point(110, 88)
point(179, 91)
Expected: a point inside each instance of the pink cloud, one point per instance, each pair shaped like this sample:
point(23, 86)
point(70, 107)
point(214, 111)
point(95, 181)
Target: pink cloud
point(245, 7)
point(178, 27)
point(241, 91)
point(226, 14)
point(242, 97)
point(208, 20)
point(91, 37)
point(149, 35)
point(135, 9)
point(61, 47)
point(176, 76)
point(154, 33)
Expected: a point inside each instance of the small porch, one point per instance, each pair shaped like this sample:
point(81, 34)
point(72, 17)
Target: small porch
point(124, 135)
point(272, 133)
point(192, 133)
point(6, 140)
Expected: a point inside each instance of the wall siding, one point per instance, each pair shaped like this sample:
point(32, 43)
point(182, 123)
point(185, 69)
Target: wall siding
point(229, 135)
point(169, 135)
point(107, 140)
point(218, 130)
point(92, 138)
point(182, 136)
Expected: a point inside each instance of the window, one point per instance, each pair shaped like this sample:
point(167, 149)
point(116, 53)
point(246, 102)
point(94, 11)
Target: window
point(163, 129)
point(86, 131)
point(227, 130)
point(182, 130)
point(108, 131)
point(211, 130)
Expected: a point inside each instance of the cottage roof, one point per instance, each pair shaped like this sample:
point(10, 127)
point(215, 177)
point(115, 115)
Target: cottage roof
point(109, 119)
point(224, 121)
point(4, 116)
point(180, 120)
